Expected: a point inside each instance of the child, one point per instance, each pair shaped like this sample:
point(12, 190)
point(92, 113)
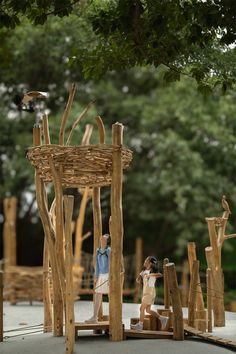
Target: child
point(102, 274)
point(149, 276)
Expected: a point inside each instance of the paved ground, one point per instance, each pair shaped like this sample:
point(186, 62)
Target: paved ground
point(18, 341)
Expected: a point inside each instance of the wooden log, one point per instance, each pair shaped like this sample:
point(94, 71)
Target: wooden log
point(70, 318)
point(201, 320)
point(47, 324)
point(193, 294)
point(192, 257)
point(46, 133)
point(66, 114)
point(185, 283)
point(217, 290)
point(79, 227)
point(97, 231)
point(213, 239)
point(138, 265)
point(166, 285)
point(209, 300)
point(50, 236)
point(178, 327)
point(1, 306)
point(115, 296)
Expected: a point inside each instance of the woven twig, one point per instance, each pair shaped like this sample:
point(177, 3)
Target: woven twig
point(80, 166)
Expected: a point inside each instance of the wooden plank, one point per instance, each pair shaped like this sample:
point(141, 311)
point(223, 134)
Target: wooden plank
point(131, 333)
point(80, 326)
point(210, 338)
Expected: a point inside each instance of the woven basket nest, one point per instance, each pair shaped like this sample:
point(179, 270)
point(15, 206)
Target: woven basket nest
point(79, 166)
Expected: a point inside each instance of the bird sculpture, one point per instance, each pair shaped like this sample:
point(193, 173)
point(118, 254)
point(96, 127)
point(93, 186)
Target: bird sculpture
point(225, 204)
point(25, 102)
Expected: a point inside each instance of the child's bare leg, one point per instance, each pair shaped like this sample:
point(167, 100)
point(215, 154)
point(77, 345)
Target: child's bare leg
point(151, 312)
point(142, 312)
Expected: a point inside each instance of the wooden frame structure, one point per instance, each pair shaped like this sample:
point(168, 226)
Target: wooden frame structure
point(217, 236)
point(80, 166)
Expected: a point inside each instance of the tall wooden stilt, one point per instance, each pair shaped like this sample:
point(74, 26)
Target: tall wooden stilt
point(115, 303)
point(166, 285)
point(70, 318)
point(178, 326)
point(193, 294)
point(209, 300)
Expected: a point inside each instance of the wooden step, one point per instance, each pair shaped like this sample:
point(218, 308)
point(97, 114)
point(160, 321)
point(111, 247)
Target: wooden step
point(82, 326)
point(128, 333)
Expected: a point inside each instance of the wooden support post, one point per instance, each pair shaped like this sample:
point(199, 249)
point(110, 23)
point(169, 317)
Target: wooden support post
point(192, 257)
point(209, 300)
point(1, 306)
point(70, 318)
point(47, 324)
point(178, 326)
point(217, 289)
point(185, 284)
point(97, 231)
point(166, 285)
point(115, 303)
point(193, 294)
point(49, 233)
point(138, 265)
point(79, 227)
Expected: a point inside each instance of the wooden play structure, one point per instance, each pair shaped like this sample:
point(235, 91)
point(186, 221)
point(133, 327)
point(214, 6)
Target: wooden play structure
point(217, 236)
point(81, 166)
point(20, 282)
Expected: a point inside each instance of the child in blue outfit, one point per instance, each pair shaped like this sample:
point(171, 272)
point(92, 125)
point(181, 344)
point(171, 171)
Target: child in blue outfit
point(102, 274)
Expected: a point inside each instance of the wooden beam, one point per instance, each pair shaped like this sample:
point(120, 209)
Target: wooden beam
point(115, 294)
point(178, 327)
point(70, 317)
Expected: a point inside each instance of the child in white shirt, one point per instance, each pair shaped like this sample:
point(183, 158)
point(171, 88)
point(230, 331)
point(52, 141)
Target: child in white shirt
point(149, 276)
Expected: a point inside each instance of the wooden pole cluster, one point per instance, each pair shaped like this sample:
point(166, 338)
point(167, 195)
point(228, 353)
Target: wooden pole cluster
point(178, 326)
point(217, 236)
point(99, 165)
point(196, 300)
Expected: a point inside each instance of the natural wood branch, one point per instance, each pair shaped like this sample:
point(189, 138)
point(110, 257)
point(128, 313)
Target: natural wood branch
point(66, 114)
point(87, 235)
point(87, 134)
point(77, 121)
point(46, 129)
point(101, 129)
point(226, 237)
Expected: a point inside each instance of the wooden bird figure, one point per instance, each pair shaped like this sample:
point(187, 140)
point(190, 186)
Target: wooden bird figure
point(225, 204)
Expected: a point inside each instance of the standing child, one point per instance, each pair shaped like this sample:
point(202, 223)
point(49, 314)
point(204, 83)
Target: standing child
point(149, 276)
point(102, 274)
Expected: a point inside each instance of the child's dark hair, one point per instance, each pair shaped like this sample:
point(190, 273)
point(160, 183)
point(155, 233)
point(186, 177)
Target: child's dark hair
point(108, 239)
point(153, 261)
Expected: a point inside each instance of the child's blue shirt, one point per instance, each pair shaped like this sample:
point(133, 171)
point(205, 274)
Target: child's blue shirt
point(102, 261)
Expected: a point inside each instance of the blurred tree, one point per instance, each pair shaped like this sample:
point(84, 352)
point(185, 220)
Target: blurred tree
point(189, 37)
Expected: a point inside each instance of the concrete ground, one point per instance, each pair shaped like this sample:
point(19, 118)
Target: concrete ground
point(17, 340)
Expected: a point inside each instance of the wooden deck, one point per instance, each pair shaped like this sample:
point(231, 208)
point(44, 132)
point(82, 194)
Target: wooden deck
point(131, 333)
point(210, 337)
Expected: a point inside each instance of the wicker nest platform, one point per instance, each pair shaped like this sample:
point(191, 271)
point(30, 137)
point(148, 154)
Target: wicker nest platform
point(79, 166)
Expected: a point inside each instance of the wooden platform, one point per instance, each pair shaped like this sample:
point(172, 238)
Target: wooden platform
point(210, 337)
point(131, 333)
point(82, 326)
